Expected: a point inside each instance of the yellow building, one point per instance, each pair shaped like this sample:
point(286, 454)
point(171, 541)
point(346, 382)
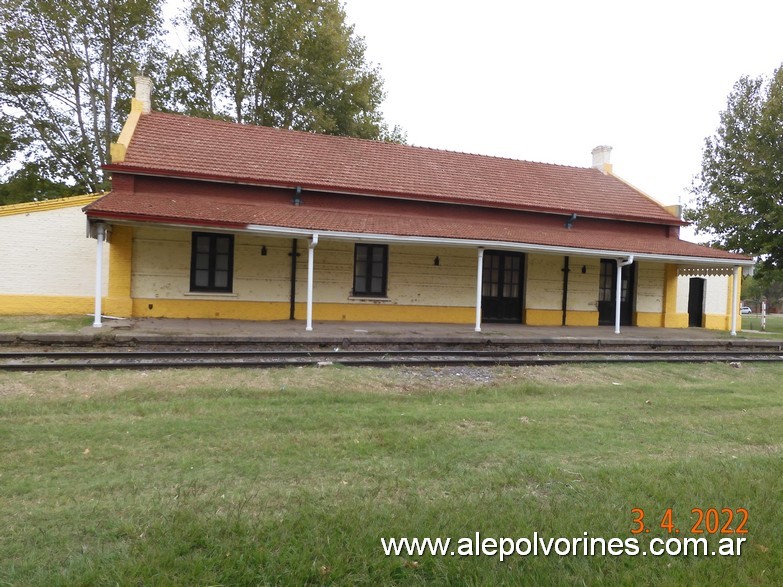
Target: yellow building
point(209, 219)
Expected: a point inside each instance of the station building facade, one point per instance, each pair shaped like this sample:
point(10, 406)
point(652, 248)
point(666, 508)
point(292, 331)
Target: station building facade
point(210, 219)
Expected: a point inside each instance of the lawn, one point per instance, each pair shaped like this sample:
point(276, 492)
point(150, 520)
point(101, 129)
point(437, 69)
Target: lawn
point(44, 323)
point(293, 477)
point(753, 322)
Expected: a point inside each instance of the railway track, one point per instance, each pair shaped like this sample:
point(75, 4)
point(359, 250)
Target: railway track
point(53, 360)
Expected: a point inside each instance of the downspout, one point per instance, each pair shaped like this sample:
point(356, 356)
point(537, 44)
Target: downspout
point(294, 256)
point(479, 284)
point(100, 235)
point(566, 271)
point(310, 258)
point(619, 291)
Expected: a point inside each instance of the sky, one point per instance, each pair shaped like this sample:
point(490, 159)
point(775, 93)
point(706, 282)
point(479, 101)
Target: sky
point(550, 80)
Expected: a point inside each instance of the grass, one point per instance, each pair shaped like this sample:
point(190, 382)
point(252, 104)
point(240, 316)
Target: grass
point(753, 322)
point(292, 477)
point(38, 324)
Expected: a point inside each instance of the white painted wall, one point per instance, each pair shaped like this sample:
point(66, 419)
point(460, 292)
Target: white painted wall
point(46, 253)
point(716, 294)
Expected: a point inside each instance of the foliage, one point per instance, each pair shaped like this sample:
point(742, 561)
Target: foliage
point(739, 191)
point(63, 66)
point(290, 64)
point(29, 183)
point(769, 285)
point(66, 71)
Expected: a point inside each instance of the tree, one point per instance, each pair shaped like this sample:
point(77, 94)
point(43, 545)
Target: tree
point(28, 183)
point(739, 191)
point(62, 67)
point(285, 63)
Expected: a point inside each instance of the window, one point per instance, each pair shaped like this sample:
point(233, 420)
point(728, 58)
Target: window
point(212, 262)
point(370, 268)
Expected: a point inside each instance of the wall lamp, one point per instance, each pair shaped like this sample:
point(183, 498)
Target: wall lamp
point(263, 250)
point(436, 262)
point(571, 219)
point(297, 201)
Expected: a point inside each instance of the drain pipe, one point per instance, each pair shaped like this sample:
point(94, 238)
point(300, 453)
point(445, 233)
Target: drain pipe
point(619, 291)
point(100, 236)
point(294, 254)
point(310, 250)
point(479, 286)
point(566, 271)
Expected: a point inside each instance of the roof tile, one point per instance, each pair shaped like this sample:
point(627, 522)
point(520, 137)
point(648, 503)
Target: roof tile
point(180, 146)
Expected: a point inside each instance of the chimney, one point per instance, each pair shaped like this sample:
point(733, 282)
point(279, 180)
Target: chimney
point(144, 93)
point(601, 157)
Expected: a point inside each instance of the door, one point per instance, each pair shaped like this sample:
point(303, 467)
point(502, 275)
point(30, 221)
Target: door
point(501, 288)
point(696, 302)
point(607, 290)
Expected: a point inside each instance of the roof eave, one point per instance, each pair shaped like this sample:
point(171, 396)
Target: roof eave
point(269, 183)
point(278, 231)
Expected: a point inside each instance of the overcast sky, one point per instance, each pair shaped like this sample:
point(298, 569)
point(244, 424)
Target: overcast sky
point(551, 79)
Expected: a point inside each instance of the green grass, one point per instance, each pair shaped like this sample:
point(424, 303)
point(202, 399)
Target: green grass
point(37, 324)
point(753, 322)
point(292, 477)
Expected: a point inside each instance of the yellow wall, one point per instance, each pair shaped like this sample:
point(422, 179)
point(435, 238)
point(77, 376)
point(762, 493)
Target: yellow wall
point(418, 290)
point(27, 305)
point(118, 300)
point(543, 288)
point(650, 288)
point(544, 291)
point(672, 318)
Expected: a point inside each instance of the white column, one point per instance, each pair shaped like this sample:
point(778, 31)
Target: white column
point(100, 235)
point(735, 300)
point(618, 296)
point(479, 284)
point(310, 256)
point(619, 291)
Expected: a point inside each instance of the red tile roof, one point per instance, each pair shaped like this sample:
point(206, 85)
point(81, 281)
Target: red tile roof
point(179, 146)
point(235, 207)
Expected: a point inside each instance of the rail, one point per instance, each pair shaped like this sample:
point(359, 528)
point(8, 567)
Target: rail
point(159, 359)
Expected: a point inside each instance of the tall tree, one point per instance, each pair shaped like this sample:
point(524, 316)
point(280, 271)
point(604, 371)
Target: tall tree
point(62, 67)
point(739, 191)
point(284, 63)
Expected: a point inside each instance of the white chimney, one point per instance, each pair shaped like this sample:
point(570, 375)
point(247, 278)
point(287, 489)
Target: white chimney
point(144, 92)
point(601, 159)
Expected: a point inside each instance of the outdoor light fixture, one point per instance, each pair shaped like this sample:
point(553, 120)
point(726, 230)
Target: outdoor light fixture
point(570, 222)
point(263, 250)
point(584, 268)
point(437, 262)
point(297, 201)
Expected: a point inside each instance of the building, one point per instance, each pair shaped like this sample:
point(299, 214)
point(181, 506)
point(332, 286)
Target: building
point(210, 219)
point(47, 265)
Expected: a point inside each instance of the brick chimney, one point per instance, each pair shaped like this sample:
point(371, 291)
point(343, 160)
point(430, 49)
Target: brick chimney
point(144, 92)
point(140, 104)
point(601, 157)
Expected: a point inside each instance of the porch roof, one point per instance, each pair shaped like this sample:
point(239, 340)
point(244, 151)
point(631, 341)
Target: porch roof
point(442, 225)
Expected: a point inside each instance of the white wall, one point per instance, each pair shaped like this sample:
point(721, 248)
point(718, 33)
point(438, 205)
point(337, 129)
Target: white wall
point(46, 253)
point(716, 294)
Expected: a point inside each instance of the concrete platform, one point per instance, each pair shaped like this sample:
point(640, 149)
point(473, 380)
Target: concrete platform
point(181, 330)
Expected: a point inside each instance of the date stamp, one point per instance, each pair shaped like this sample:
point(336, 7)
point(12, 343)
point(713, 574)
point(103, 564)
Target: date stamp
point(702, 521)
